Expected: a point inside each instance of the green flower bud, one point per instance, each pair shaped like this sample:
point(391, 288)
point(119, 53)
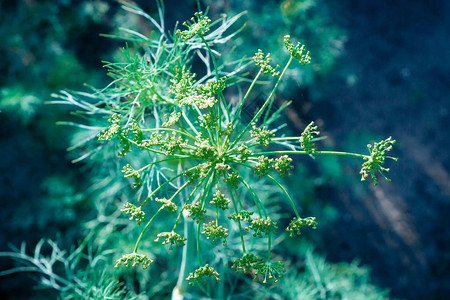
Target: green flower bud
point(264, 63)
point(199, 275)
point(215, 232)
point(135, 212)
point(270, 270)
point(246, 263)
point(195, 27)
point(171, 207)
point(262, 226)
point(196, 212)
point(262, 135)
point(135, 259)
point(375, 161)
point(220, 201)
point(263, 166)
point(306, 138)
point(283, 165)
point(297, 51)
point(171, 238)
point(296, 224)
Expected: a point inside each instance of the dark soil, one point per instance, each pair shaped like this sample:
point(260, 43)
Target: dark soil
point(394, 79)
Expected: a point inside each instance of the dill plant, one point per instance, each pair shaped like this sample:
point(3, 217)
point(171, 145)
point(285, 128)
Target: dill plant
point(189, 151)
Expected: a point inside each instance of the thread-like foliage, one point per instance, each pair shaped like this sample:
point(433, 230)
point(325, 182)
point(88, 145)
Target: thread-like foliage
point(186, 131)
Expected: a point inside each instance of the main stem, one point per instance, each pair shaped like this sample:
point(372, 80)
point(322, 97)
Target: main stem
point(180, 289)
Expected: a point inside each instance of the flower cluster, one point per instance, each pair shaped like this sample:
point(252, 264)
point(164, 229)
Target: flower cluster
point(173, 143)
point(262, 135)
point(283, 165)
point(263, 166)
point(138, 135)
point(233, 179)
point(215, 232)
point(204, 149)
point(262, 226)
point(154, 140)
point(112, 130)
point(186, 94)
point(128, 171)
point(197, 27)
point(375, 161)
point(298, 223)
point(196, 212)
point(171, 207)
point(221, 166)
point(228, 130)
point(172, 119)
point(200, 275)
point(182, 84)
point(241, 216)
point(115, 130)
point(207, 120)
point(307, 136)
point(135, 212)
point(297, 51)
point(244, 153)
point(202, 101)
point(135, 259)
point(171, 238)
point(200, 171)
point(246, 263)
point(270, 270)
point(264, 62)
point(220, 201)
point(212, 87)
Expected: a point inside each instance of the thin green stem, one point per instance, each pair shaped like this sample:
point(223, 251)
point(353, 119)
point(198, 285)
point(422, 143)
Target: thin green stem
point(198, 244)
point(238, 112)
point(157, 162)
point(289, 138)
point(221, 97)
point(269, 246)
point(145, 228)
point(209, 133)
point(163, 185)
point(261, 110)
point(241, 233)
point(315, 153)
point(203, 198)
point(157, 151)
point(186, 119)
point(170, 129)
point(173, 196)
point(286, 194)
point(259, 205)
point(219, 111)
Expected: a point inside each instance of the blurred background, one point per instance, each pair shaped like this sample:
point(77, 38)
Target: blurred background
point(379, 69)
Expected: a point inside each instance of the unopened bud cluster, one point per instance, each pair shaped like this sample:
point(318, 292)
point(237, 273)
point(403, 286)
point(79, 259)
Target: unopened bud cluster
point(201, 274)
point(298, 223)
point(134, 259)
point(135, 212)
point(307, 136)
point(375, 161)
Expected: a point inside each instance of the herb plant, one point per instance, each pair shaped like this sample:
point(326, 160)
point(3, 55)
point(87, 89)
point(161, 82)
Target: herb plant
point(191, 153)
